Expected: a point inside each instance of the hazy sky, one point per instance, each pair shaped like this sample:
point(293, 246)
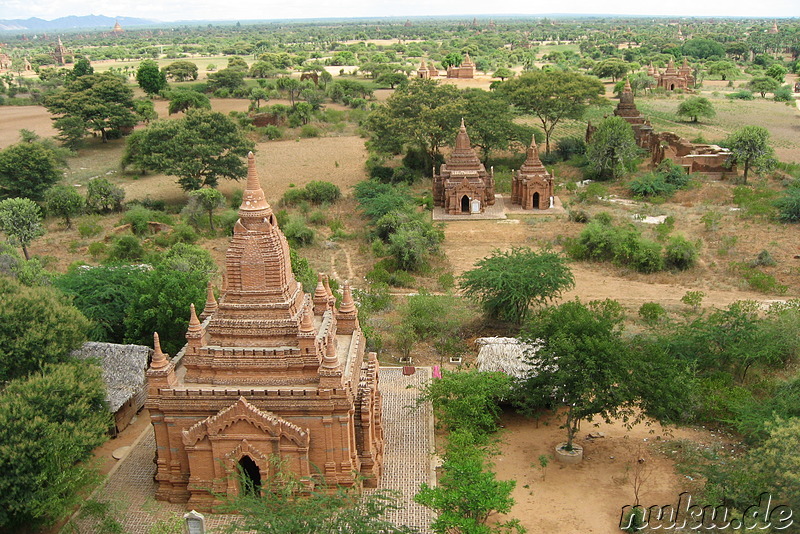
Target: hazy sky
point(271, 9)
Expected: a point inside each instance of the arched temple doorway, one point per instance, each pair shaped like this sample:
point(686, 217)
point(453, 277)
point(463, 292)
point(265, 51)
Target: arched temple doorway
point(465, 204)
point(536, 201)
point(251, 476)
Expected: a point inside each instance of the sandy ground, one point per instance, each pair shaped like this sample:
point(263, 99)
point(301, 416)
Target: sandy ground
point(15, 118)
point(587, 497)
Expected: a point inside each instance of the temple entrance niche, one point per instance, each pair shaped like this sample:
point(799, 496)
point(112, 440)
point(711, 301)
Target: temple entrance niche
point(250, 476)
point(465, 204)
point(536, 201)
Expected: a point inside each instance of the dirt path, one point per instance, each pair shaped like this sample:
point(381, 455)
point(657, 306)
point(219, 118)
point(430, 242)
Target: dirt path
point(467, 242)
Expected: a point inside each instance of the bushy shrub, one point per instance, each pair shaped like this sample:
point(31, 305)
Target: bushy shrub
point(381, 173)
point(742, 94)
point(623, 245)
point(126, 248)
point(789, 204)
point(102, 196)
point(309, 130)
point(651, 312)
point(680, 253)
point(139, 217)
point(90, 226)
point(320, 192)
point(784, 94)
point(571, 146)
point(293, 196)
point(651, 184)
point(297, 232)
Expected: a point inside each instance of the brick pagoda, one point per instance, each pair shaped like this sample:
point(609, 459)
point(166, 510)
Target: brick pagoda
point(466, 70)
point(462, 185)
point(532, 185)
point(270, 373)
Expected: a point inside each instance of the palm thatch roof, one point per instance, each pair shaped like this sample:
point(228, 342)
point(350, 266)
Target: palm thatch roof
point(505, 354)
point(123, 368)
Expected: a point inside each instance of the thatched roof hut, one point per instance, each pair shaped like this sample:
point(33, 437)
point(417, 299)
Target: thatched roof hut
point(505, 354)
point(124, 369)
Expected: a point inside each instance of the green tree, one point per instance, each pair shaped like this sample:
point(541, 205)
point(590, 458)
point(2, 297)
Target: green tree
point(199, 148)
point(183, 100)
point(64, 201)
point(161, 304)
point(503, 73)
point(103, 197)
point(506, 284)
point(553, 96)
point(421, 116)
point(468, 493)
point(696, 106)
point(258, 94)
point(777, 72)
point(150, 78)
point(49, 424)
point(789, 204)
point(467, 400)
point(145, 110)
point(612, 151)
point(82, 67)
point(763, 85)
point(490, 123)
point(230, 79)
point(750, 147)
point(613, 68)
point(92, 103)
point(103, 294)
point(723, 68)
point(181, 70)
point(392, 79)
point(28, 170)
point(21, 220)
point(36, 328)
point(208, 199)
point(702, 48)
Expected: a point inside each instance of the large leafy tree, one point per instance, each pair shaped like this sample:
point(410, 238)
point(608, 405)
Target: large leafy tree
point(506, 284)
point(36, 328)
point(613, 68)
point(150, 78)
point(182, 100)
point(49, 424)
point(763, 85)
point(696, 106)
point(64, 201)
point(490, 123)
point(181, 70)
point(92, 103)
point(553, 96)
point(208, 200)
point(21, 220)
point(750, 148)
point(422, 116)
point(199, 148)
point(581, 362)
point(612, 151)
point(28, 170)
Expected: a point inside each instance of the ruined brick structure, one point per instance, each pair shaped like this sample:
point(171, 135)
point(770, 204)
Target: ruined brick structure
point(672, 78)
point(642, 129)
point(427, 72)
point(270, 373)
point(462, 184)
point(465, 70)
point(60, 53)
point(710, 160)
point(532, 185)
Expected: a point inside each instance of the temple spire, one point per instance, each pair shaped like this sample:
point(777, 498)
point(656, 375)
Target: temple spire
point(159, 360)
point(348, 305)
point(628, 88)
point(211, 303)
point(254, 203)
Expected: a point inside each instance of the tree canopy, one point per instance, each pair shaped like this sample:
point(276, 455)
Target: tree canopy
point(612, 151)
point(49, 424)
point(506, 284)
point(150, 78)
point(93, 103)
point(21, 220)
point(181, 70)
point(28, 170)
point(750, 147)
point(696, 106)
point(553, 95)
point(199, 148)
point(36, 328)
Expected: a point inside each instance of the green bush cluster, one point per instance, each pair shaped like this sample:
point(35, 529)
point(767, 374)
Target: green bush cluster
point(624, 245)
point(316, 192)
point(663, 182)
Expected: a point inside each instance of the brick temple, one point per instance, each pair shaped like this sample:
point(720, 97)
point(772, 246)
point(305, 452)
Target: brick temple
point(532, 185)
point(672, 78)
point(465, 71)
point(269, 374)
point(462, 184)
